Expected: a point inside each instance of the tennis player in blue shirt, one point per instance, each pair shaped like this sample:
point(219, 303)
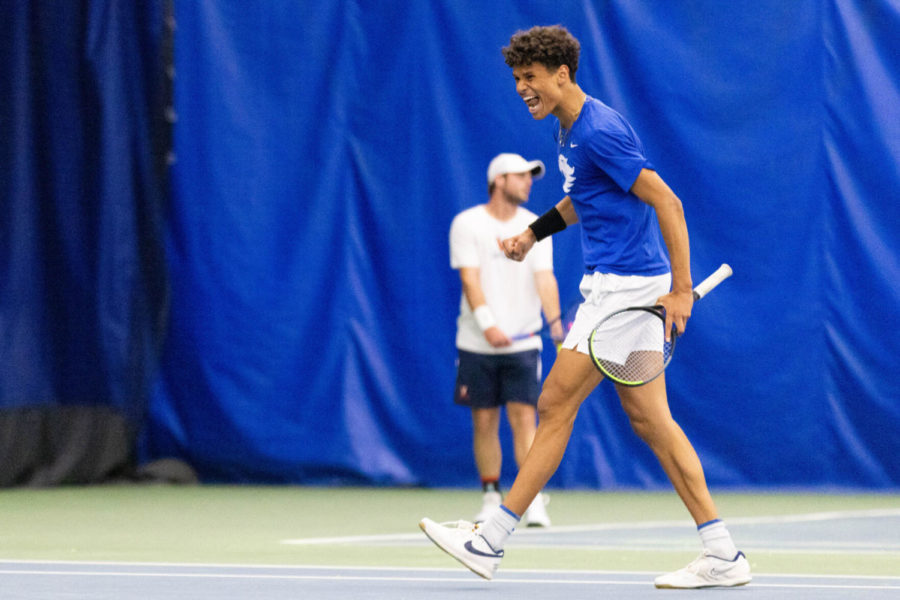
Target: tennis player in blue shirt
point(636, 252)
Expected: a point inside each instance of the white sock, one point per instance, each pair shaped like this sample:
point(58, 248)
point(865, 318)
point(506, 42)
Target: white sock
point(498, 527)
point(716, 539)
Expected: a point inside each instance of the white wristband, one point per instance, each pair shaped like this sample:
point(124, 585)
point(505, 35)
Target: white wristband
point(484, 317)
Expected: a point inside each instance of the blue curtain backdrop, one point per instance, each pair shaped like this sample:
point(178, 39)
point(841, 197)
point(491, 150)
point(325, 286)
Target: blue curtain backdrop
point(82, 267)
point(323, 149)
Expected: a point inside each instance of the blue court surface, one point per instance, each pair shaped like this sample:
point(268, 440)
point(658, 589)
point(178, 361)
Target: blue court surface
point(112, 581)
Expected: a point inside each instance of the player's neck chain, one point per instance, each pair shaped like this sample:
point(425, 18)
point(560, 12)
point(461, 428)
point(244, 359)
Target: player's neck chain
point(563, 135)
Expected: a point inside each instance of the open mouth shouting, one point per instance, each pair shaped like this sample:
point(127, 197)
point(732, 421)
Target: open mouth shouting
point(533, 103)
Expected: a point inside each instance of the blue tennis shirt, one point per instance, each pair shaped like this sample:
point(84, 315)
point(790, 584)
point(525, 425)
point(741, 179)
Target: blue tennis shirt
point(600, 159)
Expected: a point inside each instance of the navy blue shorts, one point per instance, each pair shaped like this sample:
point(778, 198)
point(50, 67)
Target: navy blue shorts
point(492, 380)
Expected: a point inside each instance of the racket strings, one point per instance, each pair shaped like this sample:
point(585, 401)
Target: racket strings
point(629, 347)
point(639, 366)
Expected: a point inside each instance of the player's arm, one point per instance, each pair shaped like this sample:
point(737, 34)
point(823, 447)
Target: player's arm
point(650, 188)
point(567, 210)
point(548, 291)
point(471, 287)
point(554, 220)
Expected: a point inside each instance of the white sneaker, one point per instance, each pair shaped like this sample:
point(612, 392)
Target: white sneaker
point(462, 541)
point(708, 571)
point(536, 513)
point(489, 502)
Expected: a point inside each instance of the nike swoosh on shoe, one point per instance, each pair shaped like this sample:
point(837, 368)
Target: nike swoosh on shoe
point(468, 546)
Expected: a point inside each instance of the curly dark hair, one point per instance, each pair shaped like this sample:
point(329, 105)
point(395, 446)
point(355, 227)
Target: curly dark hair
point(551, 46)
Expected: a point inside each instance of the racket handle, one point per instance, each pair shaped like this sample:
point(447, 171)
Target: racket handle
point(718, 276)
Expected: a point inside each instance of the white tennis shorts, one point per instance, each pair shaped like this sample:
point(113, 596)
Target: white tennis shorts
point(605, 293)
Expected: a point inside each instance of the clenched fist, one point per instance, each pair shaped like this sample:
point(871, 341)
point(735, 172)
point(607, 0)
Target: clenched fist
point(518, 246)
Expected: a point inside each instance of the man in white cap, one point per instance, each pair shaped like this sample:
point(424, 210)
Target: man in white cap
point(499, 361)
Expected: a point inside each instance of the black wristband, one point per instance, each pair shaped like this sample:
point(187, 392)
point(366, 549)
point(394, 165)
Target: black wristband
point(547, 224)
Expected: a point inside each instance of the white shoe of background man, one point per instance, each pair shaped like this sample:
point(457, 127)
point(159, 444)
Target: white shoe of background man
point(536, 514)
point(490, 501)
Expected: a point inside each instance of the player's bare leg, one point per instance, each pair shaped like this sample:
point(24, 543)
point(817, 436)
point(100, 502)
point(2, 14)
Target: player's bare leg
point(647, 408)
point(720, 563)
point(486, 442)
point(571, 379)
point(488, 458)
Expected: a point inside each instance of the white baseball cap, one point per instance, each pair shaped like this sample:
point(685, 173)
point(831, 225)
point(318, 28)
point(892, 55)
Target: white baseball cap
point(513, 163)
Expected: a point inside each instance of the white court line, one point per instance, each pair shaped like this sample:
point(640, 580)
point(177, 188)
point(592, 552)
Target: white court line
point(774, 519)
point(355, 539)
point(763, 520)
point(833, 515)
point(748, 547)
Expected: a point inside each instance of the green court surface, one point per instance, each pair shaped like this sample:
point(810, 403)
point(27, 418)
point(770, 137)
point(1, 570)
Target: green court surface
point(808, 533)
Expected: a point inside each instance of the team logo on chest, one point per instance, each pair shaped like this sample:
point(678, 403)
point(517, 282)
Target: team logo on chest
point(568, 172)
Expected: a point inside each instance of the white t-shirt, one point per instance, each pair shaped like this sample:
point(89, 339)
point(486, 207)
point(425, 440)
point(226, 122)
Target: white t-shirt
point(509, 286)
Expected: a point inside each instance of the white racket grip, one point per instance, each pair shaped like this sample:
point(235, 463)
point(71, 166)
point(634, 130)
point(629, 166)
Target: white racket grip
point(718, 276)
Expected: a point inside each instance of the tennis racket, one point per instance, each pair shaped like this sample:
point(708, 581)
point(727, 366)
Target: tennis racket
point(629, 346)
